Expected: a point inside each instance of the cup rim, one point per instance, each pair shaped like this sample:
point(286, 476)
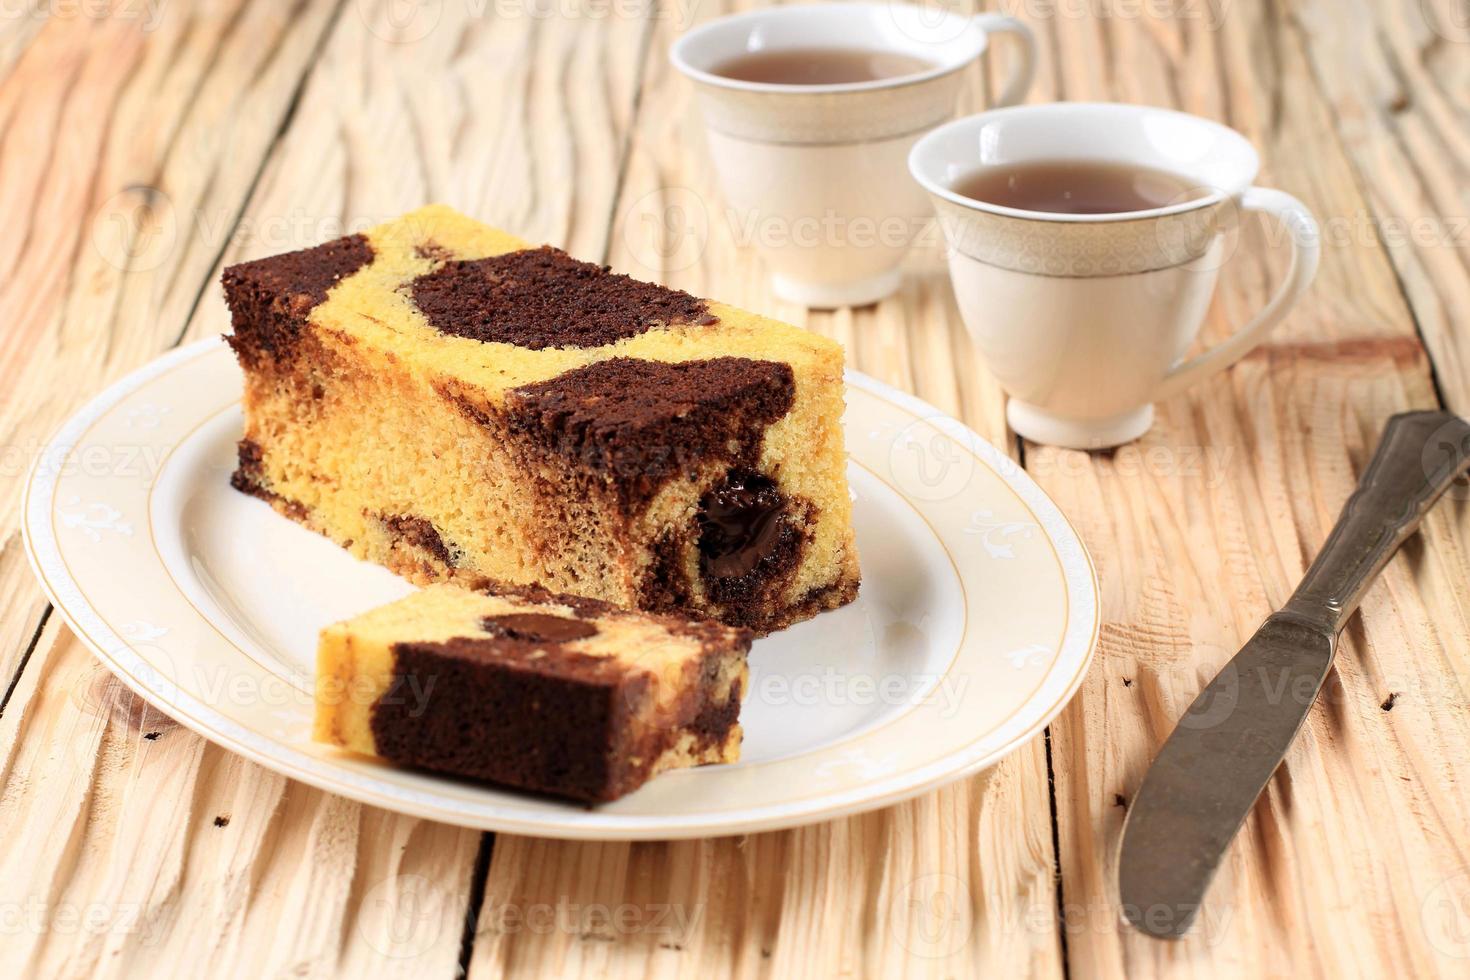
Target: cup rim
point(939, 189)
point(678, 51)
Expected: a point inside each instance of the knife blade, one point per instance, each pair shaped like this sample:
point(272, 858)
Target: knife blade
point(1204, 781)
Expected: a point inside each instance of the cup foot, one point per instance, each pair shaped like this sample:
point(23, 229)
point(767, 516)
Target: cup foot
point(830, 295)
point(1042, 426)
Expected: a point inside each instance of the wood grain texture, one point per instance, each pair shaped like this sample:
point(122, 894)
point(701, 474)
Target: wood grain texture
point(128, 145)
point(134, 848)
point(1206, 524)
point(1394, 77)
point(146, 153)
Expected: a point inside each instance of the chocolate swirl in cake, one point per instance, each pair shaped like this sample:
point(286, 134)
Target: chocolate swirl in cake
point(643, 422)
point(463, 706)
point(269, 299)
point(538, 628)
point(542, 297)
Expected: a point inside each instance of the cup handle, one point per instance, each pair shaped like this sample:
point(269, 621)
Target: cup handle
point(1306, 251)
point(1021, 75)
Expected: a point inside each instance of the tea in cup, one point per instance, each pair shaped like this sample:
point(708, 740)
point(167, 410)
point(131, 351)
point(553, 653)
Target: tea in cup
point(810, 112)
point(1085, 240)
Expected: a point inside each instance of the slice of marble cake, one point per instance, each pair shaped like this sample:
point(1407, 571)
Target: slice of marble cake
point(442, 398)
point(555, 694)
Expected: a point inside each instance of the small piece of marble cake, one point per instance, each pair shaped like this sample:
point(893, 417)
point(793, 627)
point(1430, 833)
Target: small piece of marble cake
point(446, 400)
point(552, 693)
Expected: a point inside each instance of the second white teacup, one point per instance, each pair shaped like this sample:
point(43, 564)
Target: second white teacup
point(1085, 319)
point(816, 172)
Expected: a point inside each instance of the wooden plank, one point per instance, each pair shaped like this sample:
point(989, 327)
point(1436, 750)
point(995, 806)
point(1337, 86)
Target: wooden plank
point(1395, 78)
point(1198, 531)
point(1208, 522)
point(958, 882)
point(121, 141)
point(196, 857)
point(134, 847)
point(127, 148)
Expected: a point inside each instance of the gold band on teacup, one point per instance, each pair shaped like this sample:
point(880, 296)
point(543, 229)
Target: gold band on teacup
point(1046, 246)
point(829, 118)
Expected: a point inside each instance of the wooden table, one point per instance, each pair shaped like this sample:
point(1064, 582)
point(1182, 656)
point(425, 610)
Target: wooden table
point(143, 145)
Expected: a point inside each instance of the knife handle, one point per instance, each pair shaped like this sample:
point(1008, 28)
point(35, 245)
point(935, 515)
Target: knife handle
point(1420, 455)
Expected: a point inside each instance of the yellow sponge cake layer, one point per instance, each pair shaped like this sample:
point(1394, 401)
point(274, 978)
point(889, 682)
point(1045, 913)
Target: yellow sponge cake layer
point(440, 397)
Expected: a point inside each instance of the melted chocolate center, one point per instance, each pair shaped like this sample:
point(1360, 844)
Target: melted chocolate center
point(538, 627)
point(739, 524)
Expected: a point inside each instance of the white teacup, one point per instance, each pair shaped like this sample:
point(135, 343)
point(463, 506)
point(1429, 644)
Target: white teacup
point(1085, 318)
point(815, 173)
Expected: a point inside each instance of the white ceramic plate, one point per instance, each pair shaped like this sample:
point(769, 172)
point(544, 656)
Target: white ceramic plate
point(975, 624)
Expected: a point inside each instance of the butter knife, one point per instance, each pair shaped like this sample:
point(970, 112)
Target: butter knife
point(1219, 758)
